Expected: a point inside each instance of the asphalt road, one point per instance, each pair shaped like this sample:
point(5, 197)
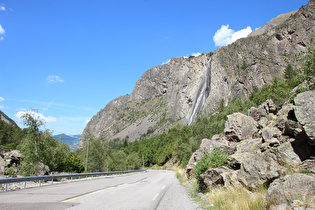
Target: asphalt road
point(151, 190)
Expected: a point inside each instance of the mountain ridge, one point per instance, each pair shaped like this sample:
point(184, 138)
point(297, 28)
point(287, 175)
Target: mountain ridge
point(174, 88)
point(72, 140)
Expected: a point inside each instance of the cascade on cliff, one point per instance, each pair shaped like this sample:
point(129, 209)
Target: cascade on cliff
point(201, 97)
point(183, 87)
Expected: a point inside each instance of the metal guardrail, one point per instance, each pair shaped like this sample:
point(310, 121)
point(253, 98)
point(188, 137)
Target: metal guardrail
point(6, 181)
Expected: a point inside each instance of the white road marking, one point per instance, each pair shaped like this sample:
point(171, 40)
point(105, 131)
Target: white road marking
point(155, 196)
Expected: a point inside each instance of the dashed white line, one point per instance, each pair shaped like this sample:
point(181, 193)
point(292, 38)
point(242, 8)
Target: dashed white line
point(155, 196)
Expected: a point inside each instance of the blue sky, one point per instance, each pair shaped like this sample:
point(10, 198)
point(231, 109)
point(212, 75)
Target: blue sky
point(68, 58)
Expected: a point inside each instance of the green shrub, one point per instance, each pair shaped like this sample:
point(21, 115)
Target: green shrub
point(11, 172)
point(215, 159)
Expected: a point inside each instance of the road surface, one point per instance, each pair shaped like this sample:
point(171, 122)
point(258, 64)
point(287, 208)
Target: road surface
point(151, 190)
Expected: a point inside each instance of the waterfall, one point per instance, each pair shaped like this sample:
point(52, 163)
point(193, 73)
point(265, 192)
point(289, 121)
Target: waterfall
point(201, 97)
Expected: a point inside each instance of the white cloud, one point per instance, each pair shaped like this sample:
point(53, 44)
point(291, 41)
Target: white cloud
point(165, 62)
point(36, 115)
point(2, 30)
point(225, 35)
point(2, 8)
point(196, 54)
point(1, 99)
point(1, 107)
point(54, 79)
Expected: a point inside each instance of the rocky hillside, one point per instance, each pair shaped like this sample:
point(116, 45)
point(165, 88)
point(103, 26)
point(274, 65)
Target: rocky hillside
point(7, 119)
point(272, 147)
point(184, 87)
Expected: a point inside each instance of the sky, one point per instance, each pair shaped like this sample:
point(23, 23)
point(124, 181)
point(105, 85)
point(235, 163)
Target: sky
point(69, 58)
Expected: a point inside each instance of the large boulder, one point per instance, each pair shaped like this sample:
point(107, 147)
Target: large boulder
point(292, 187)
point(263, 168)
point(218, 177)
point(239, 127)
point(305, 113)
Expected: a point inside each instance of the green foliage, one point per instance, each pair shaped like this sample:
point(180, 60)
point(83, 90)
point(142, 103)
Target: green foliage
point(94, 152)
point(11, 172)
point(39, 146)
point(28, 169)
point(74, 163)
point(215, 159)
point(10, 136)
point(308, 64)
point(278, 91)
point(244, 65)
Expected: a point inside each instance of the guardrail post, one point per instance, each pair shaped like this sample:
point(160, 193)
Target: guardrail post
point(5, 187)
point(52, 181)
point(24, 185)
point(40, 182)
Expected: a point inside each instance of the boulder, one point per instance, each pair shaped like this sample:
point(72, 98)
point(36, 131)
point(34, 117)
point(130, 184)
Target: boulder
point(270, 143)
point(42, 170)
point(216, 177)
point(282, 116)
point(8, 159)
point(305, 113)
point(309, 165)
point(262, 168)
point(270, 132)
point(263, 110)
point(239, 127)
point(249, 145)
point(236, 160)
point(292, 187)
point(207, 146)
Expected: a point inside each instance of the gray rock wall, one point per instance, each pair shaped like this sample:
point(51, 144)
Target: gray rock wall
point(234, 71)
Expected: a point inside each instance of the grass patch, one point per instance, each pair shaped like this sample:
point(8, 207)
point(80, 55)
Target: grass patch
point(236, 199)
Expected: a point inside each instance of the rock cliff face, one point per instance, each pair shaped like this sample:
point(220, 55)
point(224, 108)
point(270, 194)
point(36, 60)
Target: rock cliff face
point(184, 87)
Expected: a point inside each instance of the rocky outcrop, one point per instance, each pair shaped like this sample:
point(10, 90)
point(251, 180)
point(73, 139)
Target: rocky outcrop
point(292, 187)
point(233, 71)
point(260, 169)
point(304, 112)
point(239, 127)
point(216, 177)
point(278, 149)
point(9, 159)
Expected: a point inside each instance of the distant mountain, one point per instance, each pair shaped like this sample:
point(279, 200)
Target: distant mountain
point(73, 140)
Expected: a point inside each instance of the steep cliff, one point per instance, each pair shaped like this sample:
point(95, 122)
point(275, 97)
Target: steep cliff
point(184, 87)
